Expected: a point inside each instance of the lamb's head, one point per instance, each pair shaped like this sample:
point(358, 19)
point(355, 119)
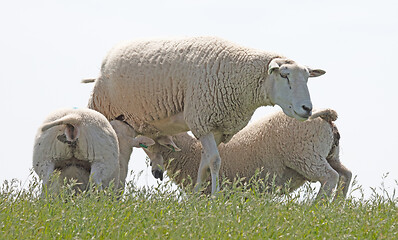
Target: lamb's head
point(123, 129)
point(129, 138)
point(287, 87)
point(155, 156)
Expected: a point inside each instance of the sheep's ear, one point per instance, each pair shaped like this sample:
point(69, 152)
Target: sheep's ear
point(316, 72)
point(273, 65)
point(168, 142)
point(142, 142)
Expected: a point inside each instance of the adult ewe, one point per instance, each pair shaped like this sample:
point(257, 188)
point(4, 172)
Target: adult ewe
point(203, 84)
point(288, 150)
point(80, 143)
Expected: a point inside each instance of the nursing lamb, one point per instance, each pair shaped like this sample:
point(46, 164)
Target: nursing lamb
point(79, 143)
point(288, 150)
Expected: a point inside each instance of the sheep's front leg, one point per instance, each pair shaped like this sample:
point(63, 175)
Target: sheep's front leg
point(210, 159)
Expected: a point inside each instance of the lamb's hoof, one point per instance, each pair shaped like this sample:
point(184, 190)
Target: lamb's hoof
point(158, 174)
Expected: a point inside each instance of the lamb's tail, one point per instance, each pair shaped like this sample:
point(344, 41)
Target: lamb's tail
point(71, 119)
point(328, 115)
point(88, 80)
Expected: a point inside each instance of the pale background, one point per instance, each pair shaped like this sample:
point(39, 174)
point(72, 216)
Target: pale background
point(47, 47)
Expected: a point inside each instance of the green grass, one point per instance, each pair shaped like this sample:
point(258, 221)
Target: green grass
point(160, 213)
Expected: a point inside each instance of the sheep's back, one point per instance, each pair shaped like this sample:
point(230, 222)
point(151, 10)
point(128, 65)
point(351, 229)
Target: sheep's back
point(97, 139)
point(147, 81)
point(295, 139)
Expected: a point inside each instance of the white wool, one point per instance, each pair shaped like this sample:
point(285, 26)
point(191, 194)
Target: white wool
point(204, 84)
point(93, 147)
point(289, 150)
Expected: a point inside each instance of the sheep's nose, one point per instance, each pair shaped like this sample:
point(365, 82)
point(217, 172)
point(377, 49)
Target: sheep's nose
point(307, 109)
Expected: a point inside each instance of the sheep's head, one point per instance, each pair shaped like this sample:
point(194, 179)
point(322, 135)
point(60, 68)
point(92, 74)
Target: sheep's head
point(288, 87)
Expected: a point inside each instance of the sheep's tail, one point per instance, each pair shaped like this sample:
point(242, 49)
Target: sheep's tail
point(71, 119)
point(328, 115)
point(89, 80)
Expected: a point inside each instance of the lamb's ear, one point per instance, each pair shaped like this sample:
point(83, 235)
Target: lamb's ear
point(273, 65)
point(316, 72)
point(142, 142)
point(168, 142)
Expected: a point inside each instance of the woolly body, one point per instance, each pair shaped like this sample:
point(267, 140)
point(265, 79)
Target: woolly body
point(288, 150)
point(79, 138)
point(222, 91)
point(204, 84)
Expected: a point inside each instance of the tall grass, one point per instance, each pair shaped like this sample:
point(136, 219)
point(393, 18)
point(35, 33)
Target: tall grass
point(160, 212)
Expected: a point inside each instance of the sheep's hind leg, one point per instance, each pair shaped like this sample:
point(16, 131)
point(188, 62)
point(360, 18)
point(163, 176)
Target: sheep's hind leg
point(328, 183)
point(49, 169)
point(46, 172)
point(345, 176)
point(97, 173)
point(317, 169)
point(210, 159)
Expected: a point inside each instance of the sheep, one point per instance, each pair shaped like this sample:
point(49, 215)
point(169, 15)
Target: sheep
point(203, 84)
point(80, 143)
point(292, 151)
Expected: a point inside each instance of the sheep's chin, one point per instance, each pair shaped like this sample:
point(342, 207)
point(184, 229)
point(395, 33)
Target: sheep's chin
point(299, 117)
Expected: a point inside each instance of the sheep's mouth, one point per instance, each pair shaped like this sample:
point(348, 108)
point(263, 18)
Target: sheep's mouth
point(300, 117)
point(293, 114)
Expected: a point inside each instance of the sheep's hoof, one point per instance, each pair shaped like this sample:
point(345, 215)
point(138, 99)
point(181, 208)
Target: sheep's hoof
point(158, 174)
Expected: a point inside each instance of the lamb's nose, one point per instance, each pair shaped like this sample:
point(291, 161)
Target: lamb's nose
point(158, 174)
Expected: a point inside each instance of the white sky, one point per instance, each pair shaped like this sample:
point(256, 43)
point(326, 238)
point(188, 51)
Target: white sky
point(47, 47)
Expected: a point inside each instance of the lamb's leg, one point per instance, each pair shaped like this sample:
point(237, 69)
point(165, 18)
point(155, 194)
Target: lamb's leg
point(97, 173)
point(210, 159)
point(316, 169)
point(46, 171)
point(345, 176)
point(328, 182)
point(125, 152)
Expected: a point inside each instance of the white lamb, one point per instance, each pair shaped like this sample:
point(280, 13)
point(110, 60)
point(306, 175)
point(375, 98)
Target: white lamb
point(128, 138)
point(204, 84)
point(79, 143)
point(287, 149)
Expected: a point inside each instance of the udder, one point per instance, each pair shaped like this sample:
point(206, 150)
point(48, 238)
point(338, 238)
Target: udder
point(172, 125)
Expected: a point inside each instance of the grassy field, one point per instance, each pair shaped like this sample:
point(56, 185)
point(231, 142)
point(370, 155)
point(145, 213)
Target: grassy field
point(238, 212)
